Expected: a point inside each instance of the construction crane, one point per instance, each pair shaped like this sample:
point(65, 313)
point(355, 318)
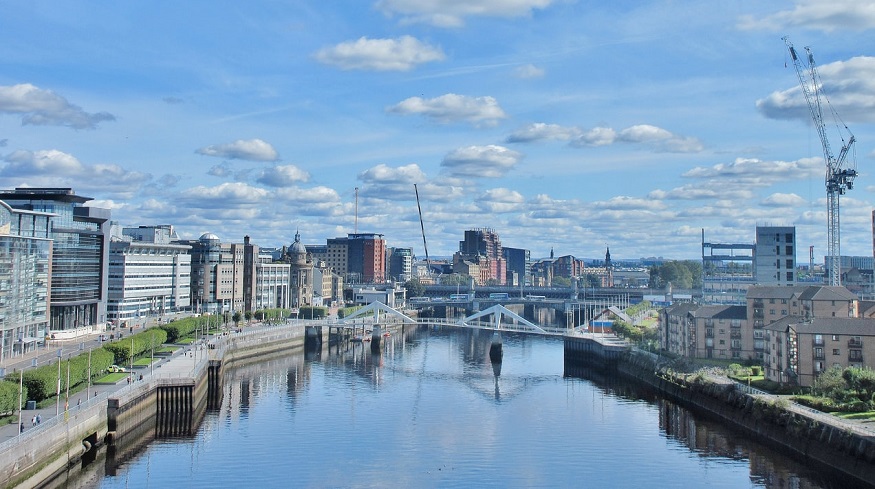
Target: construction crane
point(422, 226)
point(838, 177)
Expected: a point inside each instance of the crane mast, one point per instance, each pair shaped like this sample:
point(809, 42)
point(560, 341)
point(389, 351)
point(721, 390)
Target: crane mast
point(838, 179)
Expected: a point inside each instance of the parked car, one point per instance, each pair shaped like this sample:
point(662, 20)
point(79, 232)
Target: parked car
point(115, 368)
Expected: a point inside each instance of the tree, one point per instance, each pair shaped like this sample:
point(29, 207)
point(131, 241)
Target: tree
point(455, 279)
point(414, 288)
point(236, 318)
point(248, 316)
point(561, 282)
point(685, 274)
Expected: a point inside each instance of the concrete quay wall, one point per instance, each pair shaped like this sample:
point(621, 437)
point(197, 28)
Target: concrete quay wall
point(810, 437)
point(40, 454)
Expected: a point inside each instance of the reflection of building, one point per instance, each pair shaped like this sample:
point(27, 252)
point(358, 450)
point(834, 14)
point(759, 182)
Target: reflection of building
point(147, 274)
point(79, 255)
point(25, 274)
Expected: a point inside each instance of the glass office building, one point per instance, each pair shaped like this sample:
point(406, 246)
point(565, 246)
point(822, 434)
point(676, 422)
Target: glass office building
point(25, 260)
point(79, 256)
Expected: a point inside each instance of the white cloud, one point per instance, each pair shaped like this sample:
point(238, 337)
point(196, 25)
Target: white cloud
point(528, 71)
point(225, 195)
point(849, 86)
point(451, 13)
point(52, 161)
point(825, 15)
point(500, 201)
point(490, 161)
point(282, 176)
point(540, 131)
point(756, 172)
point(242, 149)
point(401, 54)
point(453, 108)
point(46, 108)
point(784, 200)
point(597, 136)
point(406, 174)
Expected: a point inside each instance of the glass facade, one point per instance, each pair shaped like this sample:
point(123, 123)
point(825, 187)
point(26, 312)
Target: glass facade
point(25, 258)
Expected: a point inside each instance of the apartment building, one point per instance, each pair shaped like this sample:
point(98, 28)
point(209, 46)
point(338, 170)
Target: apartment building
point(798, 348)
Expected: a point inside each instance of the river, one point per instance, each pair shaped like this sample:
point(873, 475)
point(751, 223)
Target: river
point(431, 410)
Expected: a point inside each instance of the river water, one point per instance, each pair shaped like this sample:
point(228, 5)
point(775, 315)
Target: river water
point(431, 411)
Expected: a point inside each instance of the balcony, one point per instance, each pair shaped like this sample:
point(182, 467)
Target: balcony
point(818, 341)
point(735, 334)
point(855, 356)
point(855, 343)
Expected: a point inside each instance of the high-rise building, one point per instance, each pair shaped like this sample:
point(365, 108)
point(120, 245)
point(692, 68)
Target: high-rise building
point(519, 262)
point(360, 258)
point(25, 274)
point(775, 255)
point(400, 263)
point(80, 249)
point(481, 248)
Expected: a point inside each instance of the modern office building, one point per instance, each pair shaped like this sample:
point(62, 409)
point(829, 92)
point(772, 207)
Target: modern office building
point(272, 284)
point(80, 250)
point(400, 262)
point(519, 262)
point(25, 275)
point(359, 258)
point(147, 277)
point(217, 274)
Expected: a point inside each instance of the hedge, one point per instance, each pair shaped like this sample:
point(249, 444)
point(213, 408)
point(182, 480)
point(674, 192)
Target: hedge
point(9, 400)
point(140, 342)
point(42, 382)
point(180, 328)
point(347, 311)
point(314, 312)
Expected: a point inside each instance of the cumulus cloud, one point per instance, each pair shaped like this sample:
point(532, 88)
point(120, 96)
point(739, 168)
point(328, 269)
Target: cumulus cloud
point(528, 71)
point(481, 161)
point(406, 174)
point(825, 15)
point(282, 176)
point(501, 200)
point(401, 54)
point(54, 168)
point(849, 86)
point(450, 108)
point(656, 138)
point(540, 131)
point(756, 172)
point(225, 195)
point(242, 149)
point(784, 200)
point(452, 13)
point(40, 107)
point(28, 163)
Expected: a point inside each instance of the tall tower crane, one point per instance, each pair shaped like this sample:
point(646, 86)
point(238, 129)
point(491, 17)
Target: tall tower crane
point(838, 177)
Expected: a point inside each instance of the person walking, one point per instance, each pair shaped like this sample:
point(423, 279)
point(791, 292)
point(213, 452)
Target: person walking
point(39, 419)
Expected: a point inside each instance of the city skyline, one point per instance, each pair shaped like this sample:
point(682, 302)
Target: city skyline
point(561, 124)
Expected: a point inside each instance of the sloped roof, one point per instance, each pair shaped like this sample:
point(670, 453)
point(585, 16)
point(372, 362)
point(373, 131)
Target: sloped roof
point(774, 291)
point(840, 326)
point(721, 312)
point(681, 309)
point(827, 293)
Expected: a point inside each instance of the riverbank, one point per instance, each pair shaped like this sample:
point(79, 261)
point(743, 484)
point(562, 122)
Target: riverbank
point(823, 441)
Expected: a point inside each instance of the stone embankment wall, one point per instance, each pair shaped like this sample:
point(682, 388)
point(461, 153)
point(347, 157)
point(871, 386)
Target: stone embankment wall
point(820, 440)
point(40, 454)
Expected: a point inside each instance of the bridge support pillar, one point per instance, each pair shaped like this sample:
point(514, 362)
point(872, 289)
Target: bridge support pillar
point(495, 351)
point(376, 338)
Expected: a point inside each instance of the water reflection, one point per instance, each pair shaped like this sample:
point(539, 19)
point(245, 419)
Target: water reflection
point(768, 468)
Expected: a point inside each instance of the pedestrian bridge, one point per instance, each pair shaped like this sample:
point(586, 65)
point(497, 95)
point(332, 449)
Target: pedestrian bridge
point(496, 318)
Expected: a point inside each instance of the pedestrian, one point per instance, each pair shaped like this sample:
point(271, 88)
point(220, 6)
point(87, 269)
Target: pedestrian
point(39, 419)
point(33, 421)
point(79, 402)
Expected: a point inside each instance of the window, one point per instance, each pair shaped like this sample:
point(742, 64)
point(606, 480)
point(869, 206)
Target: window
point(788, 238)
point(835, 351)
point(789, 265)
point(855, 355)
point(789, 250)
point(722, 342)
point(818, 353)
point(835, 337)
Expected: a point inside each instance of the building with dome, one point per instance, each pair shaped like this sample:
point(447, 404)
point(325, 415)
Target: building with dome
point(218, 274)
point(300, 274)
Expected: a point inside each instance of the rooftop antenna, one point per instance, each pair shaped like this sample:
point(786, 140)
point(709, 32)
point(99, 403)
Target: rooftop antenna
point(356, 225)
point(422, 227)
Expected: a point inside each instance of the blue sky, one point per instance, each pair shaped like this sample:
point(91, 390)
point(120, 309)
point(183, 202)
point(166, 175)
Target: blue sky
point(564, 124)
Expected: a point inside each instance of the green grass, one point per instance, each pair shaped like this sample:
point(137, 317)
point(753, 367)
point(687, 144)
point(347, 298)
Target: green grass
point(167, 349)
point(111, 378)
point(143, 362)
point(865, 416)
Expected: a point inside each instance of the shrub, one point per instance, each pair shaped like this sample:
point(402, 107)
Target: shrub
point(314, 312)
point(127, 348)
point(9, 400)
point(43, 382)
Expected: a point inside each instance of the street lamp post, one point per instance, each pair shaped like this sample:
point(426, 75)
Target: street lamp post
point(88, 384)
point(58, 393)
